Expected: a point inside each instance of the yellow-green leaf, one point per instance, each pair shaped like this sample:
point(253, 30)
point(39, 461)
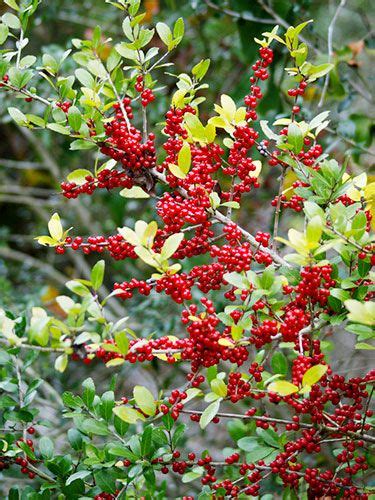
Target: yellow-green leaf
point(176, 171)
point(115, 362)
point(61, 363)
point(55, 228)
point(314, 374)
point(171, 244)
point(149, 234)
point(134, 192)
point(147, 256)
point(127, 414)
point(184, 158)
point(79, 176)
point(236, 332)
point(359, 312)
point(283, 388)
point(46, 240)
point(219, 387)
point(144, 399)
point(129, 235)
point(122, 342)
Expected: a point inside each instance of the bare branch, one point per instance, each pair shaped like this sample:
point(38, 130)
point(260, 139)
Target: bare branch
point(330, 48)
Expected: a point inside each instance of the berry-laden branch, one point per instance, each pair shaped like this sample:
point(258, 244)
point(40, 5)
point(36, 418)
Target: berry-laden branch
point(254, 320)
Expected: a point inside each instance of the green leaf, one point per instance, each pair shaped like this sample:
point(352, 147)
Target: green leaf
point(75, 439)
point(318, 119)
point(25, 448)
point(46, 447)
point(179, 28)
point(269, 436)
point(85, 78)
point(81, 474)
point(17, 116)
point(79, 144)
point(4, 32)
point(295, 137)
point(359, 224)
point(194, 474)
point(313, 375)
point(97, 68)
point(267, 279)
point(279, 363)
point(88, 394)
point(19, 78)
point(209, 413)
point(36, 120)
point(282, 388)
point(121, 450)
point(146, 441)
point(78, 288)
point(237, 280)
point(106, 480)
point(248, 443)
point(4, 65)
point(96, 427)
point(164, 33)
point(122, 342)
point(261, 453)
point(97, 274)
point(144, 399)
point(314, 229)
point(107, 405)
point(339, 294)
point(72, 401)
point(75, 119)
point(60, 129)
point(127, 414)
point(78, 176)
point(269, 133)
point(55, 227)
point(11, 21)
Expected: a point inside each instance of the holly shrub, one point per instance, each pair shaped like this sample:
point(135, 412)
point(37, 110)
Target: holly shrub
point(259, 312)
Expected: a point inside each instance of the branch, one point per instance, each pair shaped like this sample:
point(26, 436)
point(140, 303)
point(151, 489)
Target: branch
point(25, 92)
point(249, 237)
point(365, 437)
point(277, 211)
point(330, 49)
point(250, 417)
point(238, 15)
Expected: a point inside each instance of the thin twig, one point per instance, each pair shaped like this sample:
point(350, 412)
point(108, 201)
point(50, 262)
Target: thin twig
point(19, 48)
point(277, 211)
point(330, 49)
point(238, 15)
